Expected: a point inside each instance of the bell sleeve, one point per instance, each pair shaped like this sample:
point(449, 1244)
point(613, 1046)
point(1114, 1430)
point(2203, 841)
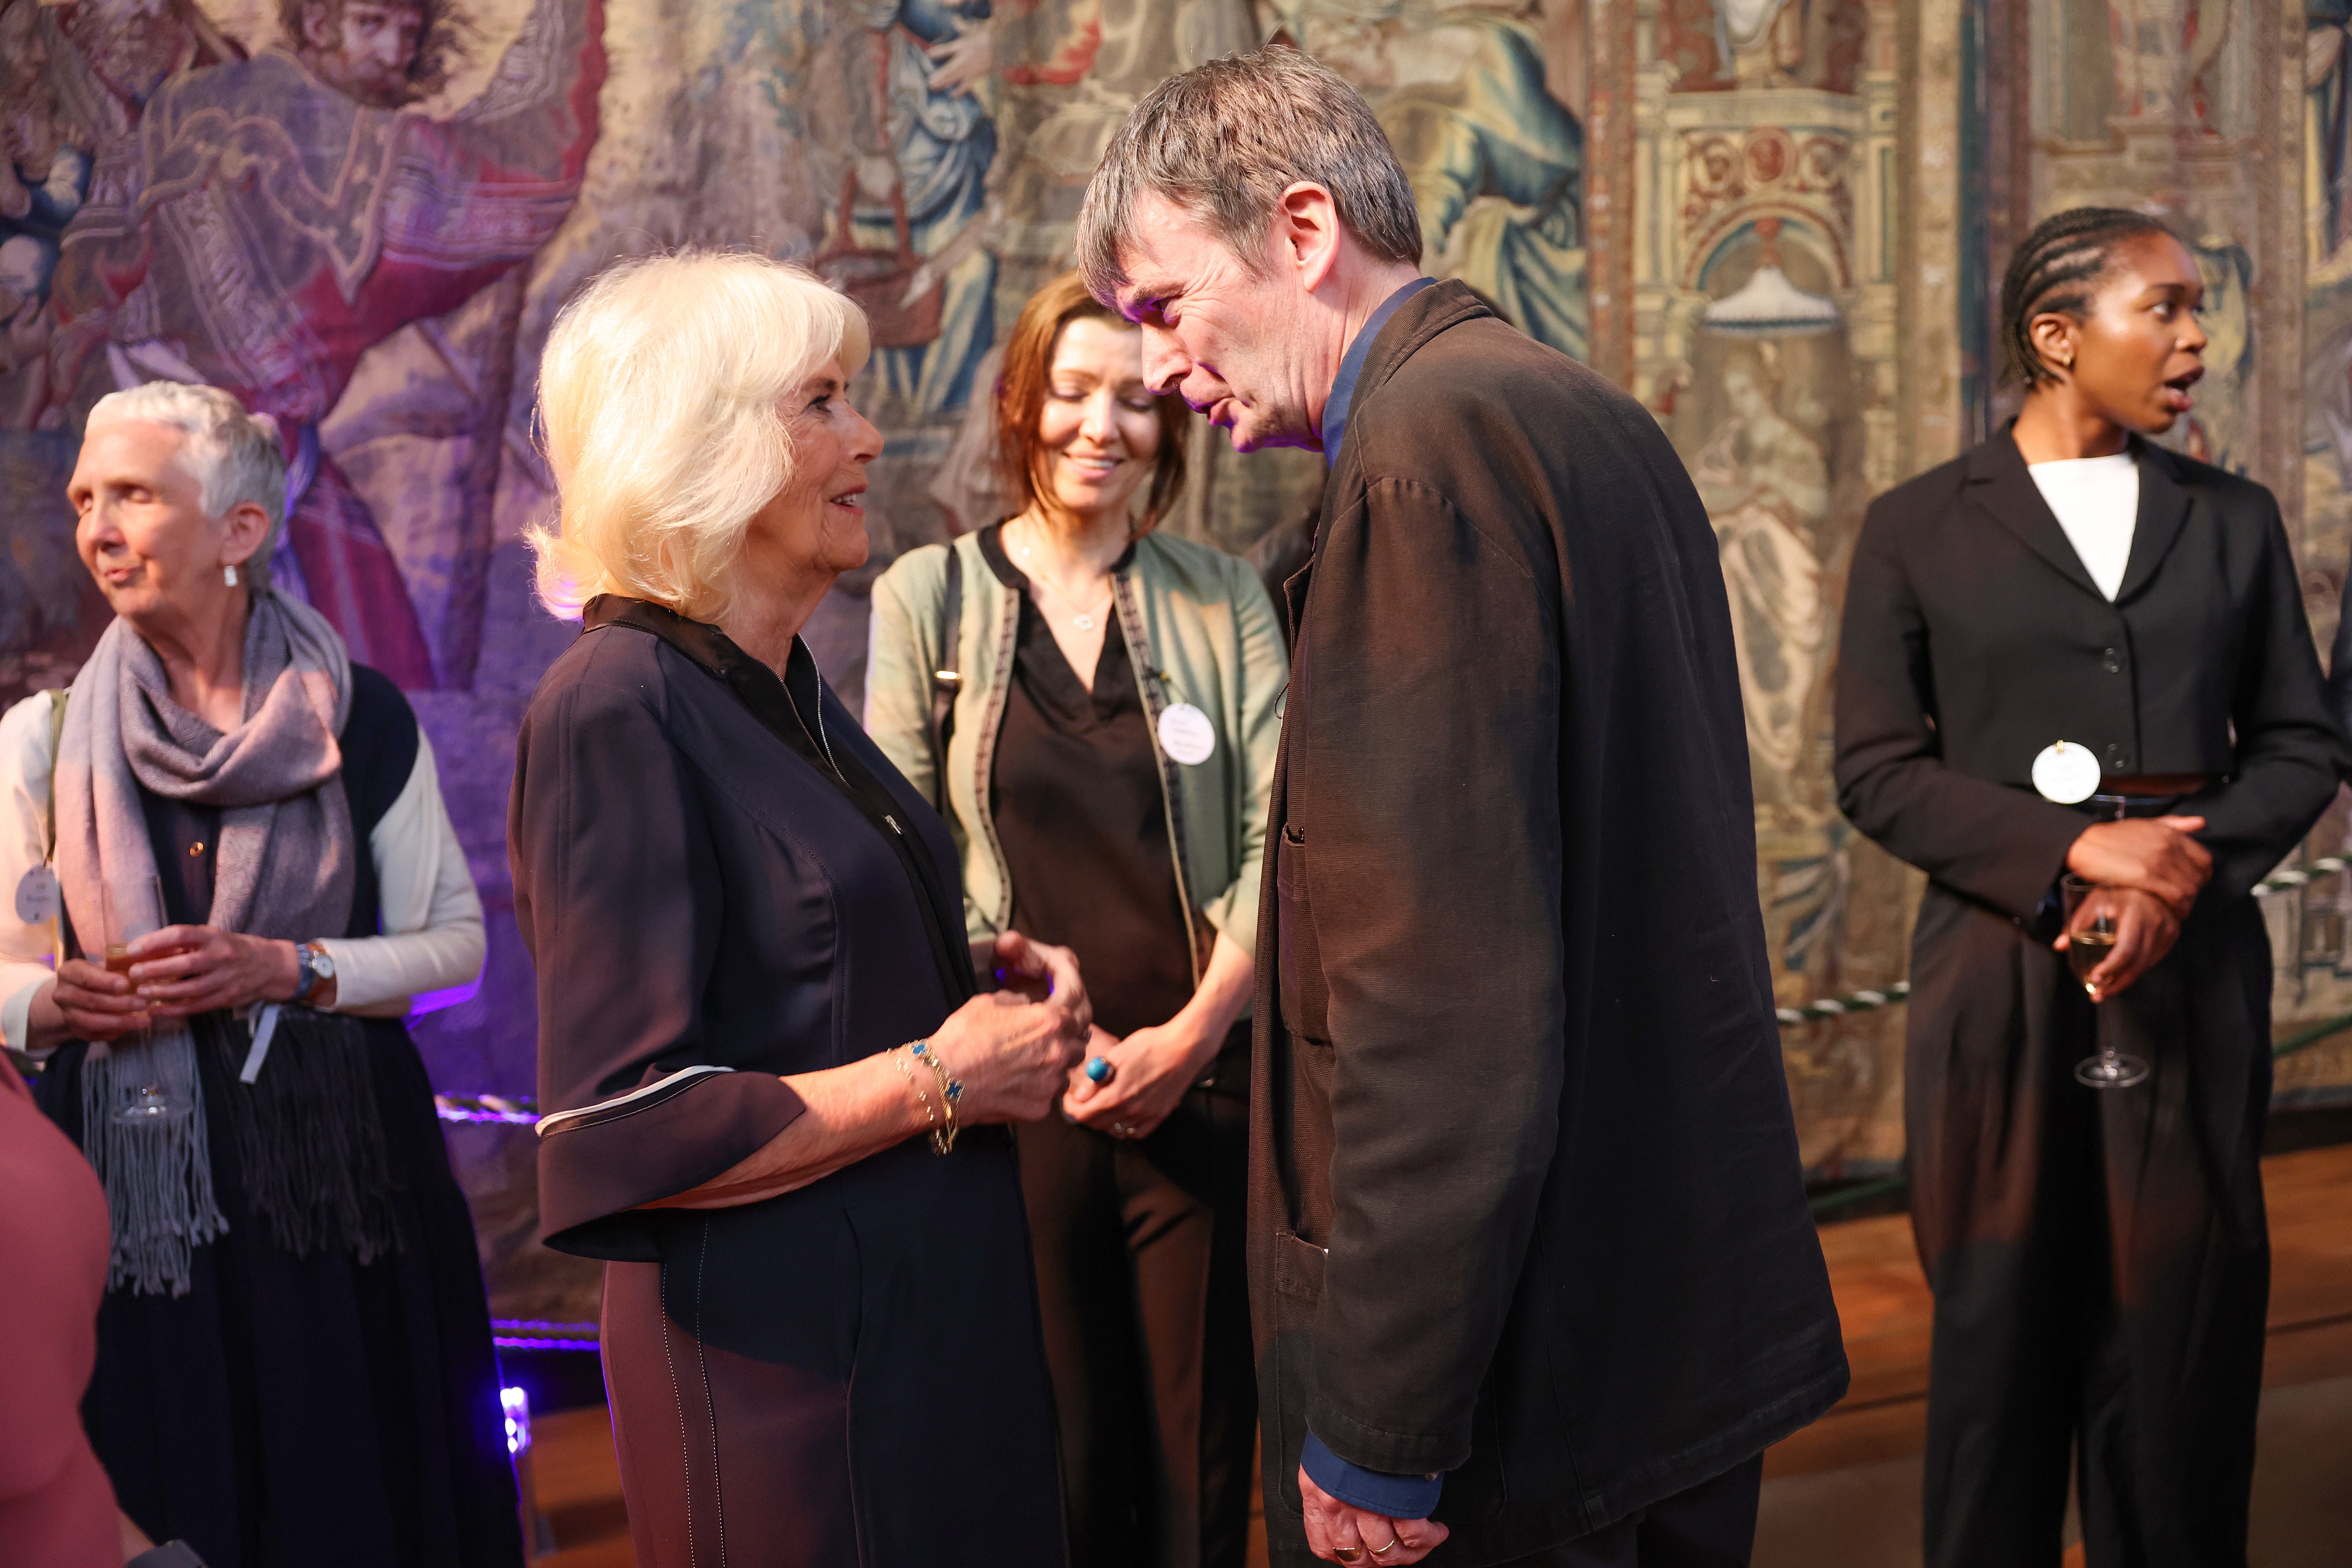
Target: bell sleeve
point(618, 897)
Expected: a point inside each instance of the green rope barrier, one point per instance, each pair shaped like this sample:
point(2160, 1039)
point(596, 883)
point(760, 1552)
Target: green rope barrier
point(1859, 1193)
point(1829, 1202)
point(2280, 881)
point(2327, 1028)
point(1839, 1006)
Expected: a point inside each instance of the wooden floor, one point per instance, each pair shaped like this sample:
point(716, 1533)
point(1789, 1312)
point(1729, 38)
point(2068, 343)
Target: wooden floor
point(1882, 1301)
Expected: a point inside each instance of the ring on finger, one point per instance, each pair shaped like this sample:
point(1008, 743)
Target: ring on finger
point(1348, 1553)
point(1394, 1541)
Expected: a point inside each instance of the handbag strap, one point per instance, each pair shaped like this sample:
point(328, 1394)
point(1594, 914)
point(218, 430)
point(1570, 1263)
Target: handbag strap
point(947, 679)
point(65, 942)
point(57, 696)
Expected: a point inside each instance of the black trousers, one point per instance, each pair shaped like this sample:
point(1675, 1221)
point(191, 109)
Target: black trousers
point(1712, 1525)
point(1143, 1282)
point(2099, 1258)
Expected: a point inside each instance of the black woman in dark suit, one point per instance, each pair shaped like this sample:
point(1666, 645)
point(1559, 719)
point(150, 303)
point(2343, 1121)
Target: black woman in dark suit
point(2099, 1257)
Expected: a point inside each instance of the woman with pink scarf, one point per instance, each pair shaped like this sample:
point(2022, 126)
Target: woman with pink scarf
point(230, 841)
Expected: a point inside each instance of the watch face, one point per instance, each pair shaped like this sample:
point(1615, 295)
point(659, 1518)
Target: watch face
point(323, 964)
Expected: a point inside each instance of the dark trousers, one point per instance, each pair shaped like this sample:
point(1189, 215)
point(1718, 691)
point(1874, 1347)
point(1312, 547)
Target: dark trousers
point(1712, 1525)
point(2099, 1258)
point(1143, 1284)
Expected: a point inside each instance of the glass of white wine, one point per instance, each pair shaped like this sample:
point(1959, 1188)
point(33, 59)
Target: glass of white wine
point(142, 1103)
point(2090, 941)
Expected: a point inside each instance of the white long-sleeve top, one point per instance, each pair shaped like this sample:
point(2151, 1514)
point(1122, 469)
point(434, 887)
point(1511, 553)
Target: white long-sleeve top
point(432, 917)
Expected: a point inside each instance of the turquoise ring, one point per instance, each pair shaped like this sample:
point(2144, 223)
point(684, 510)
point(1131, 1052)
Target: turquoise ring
point(1099, 1069)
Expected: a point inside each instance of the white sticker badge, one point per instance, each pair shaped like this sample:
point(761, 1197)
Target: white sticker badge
point(2066, 772)
point(36, 896)
point(1186, 734)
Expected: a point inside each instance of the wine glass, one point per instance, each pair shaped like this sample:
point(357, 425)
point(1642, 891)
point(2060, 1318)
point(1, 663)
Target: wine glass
point(142, 1103)
point(2090, 940)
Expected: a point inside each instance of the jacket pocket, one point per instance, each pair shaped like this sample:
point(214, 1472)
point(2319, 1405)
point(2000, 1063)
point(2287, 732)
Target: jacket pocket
point(1297, 1270)
point(1306, 1001)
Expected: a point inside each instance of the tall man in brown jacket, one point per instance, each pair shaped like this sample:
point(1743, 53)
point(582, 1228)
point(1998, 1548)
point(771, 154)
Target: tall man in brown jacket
point(1531, 1268)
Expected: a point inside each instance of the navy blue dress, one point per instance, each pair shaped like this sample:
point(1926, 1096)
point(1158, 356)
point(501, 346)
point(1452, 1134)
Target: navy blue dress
point(293, 1410)
point(723, 882)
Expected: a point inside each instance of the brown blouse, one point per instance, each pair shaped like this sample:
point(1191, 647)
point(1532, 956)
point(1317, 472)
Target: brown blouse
point(1079, 809)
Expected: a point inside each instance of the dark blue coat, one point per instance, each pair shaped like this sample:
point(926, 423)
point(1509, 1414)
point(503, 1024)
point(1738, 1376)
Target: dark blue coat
point(724, 883)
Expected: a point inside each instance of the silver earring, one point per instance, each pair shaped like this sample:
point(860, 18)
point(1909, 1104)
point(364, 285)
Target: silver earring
point(229, 575)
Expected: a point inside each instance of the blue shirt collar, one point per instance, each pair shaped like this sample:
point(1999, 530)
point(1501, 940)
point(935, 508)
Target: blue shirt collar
point(1343, 385)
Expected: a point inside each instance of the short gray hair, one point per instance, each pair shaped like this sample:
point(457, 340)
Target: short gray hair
point(1223, 141)
point(232, 455)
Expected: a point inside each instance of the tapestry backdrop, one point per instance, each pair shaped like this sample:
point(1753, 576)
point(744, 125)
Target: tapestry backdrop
point(1776, 221)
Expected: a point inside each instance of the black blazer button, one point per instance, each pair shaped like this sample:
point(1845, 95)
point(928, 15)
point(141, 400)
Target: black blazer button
point(2111, 661)
point(2118, 759)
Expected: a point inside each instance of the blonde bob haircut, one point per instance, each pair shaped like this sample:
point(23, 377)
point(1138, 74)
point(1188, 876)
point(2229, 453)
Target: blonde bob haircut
point(661, 407)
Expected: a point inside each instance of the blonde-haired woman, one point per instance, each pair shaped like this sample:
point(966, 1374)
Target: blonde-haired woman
point(1108, 789)
point(769, 1091)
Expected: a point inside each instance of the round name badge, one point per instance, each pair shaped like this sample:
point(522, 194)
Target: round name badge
point(1186, 734)
point(2066, 772)
point(36, 896)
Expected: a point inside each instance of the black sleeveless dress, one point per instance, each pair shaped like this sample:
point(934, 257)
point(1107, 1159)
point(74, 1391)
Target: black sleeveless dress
point(290, 1411)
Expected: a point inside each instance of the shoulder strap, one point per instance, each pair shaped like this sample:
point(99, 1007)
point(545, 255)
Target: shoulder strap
point(947, 679)
point(65, 941)
point(56, 739)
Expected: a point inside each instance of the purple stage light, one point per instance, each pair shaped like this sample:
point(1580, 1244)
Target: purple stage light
point(516, 1405)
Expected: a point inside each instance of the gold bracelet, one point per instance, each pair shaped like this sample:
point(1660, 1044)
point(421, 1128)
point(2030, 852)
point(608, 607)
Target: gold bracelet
point(906, 1071)
point(950, 1090)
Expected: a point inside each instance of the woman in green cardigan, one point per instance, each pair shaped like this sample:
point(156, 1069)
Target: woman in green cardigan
point(1122, 814)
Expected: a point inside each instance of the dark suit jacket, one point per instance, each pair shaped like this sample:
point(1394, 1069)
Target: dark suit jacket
point(1974, 638)
point(1526, 1200)
point(678, 855)
point(2339, 663)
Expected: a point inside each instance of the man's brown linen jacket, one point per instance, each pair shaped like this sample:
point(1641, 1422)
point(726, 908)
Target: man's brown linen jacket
point(1526, 1203)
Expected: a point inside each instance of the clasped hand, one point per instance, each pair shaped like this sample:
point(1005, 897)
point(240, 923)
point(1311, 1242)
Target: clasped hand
point(2149, 872)
point(1152, 1071)
point(175, 972)
point(1342, 1532)
point(1014, 1048)
point(2145, 928)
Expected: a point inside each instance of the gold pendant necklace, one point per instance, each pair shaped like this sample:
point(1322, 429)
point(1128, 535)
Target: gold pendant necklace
point(1081, 616)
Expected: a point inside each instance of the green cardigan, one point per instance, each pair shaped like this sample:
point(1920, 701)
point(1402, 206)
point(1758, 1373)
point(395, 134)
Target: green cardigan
point(1199, 629)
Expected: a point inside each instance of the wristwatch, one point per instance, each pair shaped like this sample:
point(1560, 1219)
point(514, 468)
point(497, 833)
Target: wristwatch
point(311, 966)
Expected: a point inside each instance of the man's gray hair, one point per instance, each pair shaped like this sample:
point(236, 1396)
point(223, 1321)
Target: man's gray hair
point(233, 455)
point(1223, 141)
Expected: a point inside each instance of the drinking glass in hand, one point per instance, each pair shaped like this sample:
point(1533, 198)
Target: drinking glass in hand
point(2090, 941)
point(141, 1103)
